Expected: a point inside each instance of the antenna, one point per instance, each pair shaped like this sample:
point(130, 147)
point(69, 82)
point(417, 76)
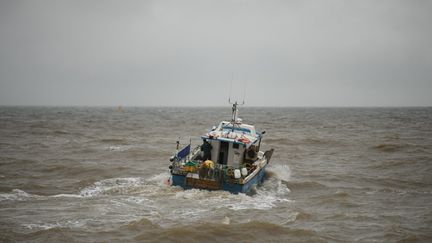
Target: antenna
point(244, 92)
point(229, 98)
point(230, 93)
point(234, 118)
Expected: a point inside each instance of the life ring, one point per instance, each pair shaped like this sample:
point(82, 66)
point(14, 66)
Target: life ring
point(230, 172)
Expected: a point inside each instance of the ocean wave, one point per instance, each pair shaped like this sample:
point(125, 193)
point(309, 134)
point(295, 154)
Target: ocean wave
point(67, 195)
point(61, 132)
point(54, 225)
point(282, 172)
point(341, 194)
point(251, 231)
point(119, 148)
point(114, 186)
point(164, 205)
point(139, 225)
point(280, 141)
point(160, 178)
point(113, 141)
point(303, 185)
point(409, 148)
point(10, 162)
point(111, 186)
point(387, 147)
point(16, 195)
point(302, 216)
point(399, 191)
point(20, 195)
point(214, 200)
point(386, 164)
point(302, 141)
point(139, 152)
point(55, 168)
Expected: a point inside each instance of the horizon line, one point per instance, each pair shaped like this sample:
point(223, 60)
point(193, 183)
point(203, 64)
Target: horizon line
point(222, 106)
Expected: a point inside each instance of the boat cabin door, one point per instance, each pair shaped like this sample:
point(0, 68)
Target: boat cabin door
point(223, 153)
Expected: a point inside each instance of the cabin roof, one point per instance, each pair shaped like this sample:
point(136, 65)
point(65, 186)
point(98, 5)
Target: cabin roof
point(234, 133)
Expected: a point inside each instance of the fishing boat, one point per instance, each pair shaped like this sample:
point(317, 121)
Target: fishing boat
point(229, 158)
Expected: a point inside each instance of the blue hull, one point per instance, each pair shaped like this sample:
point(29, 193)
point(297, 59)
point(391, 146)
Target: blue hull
point(180, 180)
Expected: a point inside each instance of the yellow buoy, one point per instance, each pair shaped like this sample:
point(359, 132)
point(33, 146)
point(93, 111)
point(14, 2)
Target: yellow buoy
point(209, 164)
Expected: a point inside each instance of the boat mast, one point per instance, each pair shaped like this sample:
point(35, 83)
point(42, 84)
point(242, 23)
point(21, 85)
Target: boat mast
point(234, 113)
point(234, 117)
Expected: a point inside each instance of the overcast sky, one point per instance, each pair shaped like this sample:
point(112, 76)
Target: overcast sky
point(185, 53)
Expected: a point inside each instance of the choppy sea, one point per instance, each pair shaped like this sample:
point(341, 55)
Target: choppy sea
point(97, 174)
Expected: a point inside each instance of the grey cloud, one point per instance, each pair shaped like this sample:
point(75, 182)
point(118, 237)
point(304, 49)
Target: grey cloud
point(290, 53)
